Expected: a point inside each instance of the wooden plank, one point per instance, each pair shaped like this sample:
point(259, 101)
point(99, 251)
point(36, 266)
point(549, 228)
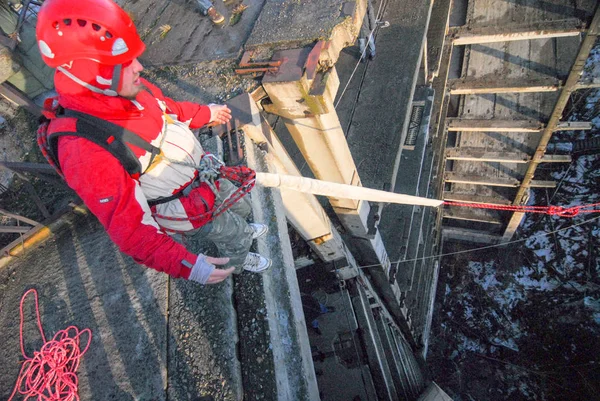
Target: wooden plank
point(481, 180)
point(573, 126)
point(587, 45)
point(556, 159)
point(587, 84)
point(479, 215)
point(18, 98)
point(458, 197)
point(493, 125)
point(494, 181)
point(501, 32)
point(482, 155)
point(466, 235)
point(478, 86)
point(542, 184)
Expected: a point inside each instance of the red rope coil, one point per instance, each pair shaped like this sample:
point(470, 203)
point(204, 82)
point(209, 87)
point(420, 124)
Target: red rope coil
point(50, 375)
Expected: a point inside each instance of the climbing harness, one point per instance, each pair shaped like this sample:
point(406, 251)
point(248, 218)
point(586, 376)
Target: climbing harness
point(115, 140)
point(50, 374)
point(210, 170)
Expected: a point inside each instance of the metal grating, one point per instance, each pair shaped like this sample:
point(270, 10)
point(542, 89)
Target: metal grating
point(414, 125)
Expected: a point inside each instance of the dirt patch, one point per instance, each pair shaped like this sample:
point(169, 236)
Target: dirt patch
point(208, 82)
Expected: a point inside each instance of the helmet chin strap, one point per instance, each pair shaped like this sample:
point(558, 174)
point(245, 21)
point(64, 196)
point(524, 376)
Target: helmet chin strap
point(116, 78)
point(108, 92)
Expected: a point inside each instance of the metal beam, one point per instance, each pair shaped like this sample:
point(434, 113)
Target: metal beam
point(570, 85)
point(475, 86)
point(493, 33)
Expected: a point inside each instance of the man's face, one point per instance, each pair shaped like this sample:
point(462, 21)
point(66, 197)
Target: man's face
point(131, 84)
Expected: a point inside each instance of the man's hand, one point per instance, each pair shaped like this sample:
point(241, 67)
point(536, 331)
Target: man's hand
point(204, 271)
point(218, 275)
point(219, 113)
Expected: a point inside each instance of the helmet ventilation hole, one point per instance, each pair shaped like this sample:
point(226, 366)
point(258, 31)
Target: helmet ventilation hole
point(81, 22)
point(67, 21)
point(96, 27)
point(108, 35)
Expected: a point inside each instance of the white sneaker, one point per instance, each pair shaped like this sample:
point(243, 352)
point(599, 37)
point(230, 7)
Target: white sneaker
point(255, 263)
point(258, 229)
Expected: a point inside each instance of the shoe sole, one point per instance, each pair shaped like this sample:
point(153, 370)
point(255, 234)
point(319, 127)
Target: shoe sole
point(260, 271)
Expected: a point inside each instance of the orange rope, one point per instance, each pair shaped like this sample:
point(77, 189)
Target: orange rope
point(50, 375)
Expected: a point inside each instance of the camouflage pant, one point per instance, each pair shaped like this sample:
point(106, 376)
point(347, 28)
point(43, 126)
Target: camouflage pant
point(229, 232)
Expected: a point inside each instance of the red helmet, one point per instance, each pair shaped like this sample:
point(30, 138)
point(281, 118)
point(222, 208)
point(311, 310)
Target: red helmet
point(97, 30)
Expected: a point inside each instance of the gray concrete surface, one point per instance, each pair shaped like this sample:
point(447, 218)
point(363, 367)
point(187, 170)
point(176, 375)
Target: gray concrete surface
point(83, 280)
point(292, 23)
point(192, 37)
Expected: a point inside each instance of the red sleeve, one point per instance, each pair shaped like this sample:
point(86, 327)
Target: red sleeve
point(117, 201)
point(196, 114)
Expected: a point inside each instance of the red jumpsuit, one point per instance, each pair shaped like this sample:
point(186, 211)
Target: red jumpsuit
point(120, 201)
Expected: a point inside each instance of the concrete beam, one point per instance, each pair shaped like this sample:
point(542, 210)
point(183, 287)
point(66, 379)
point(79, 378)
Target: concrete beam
point(293, 372)
point(502, 32)
point(437, 36)
point(304, 211)
point(476, 86)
